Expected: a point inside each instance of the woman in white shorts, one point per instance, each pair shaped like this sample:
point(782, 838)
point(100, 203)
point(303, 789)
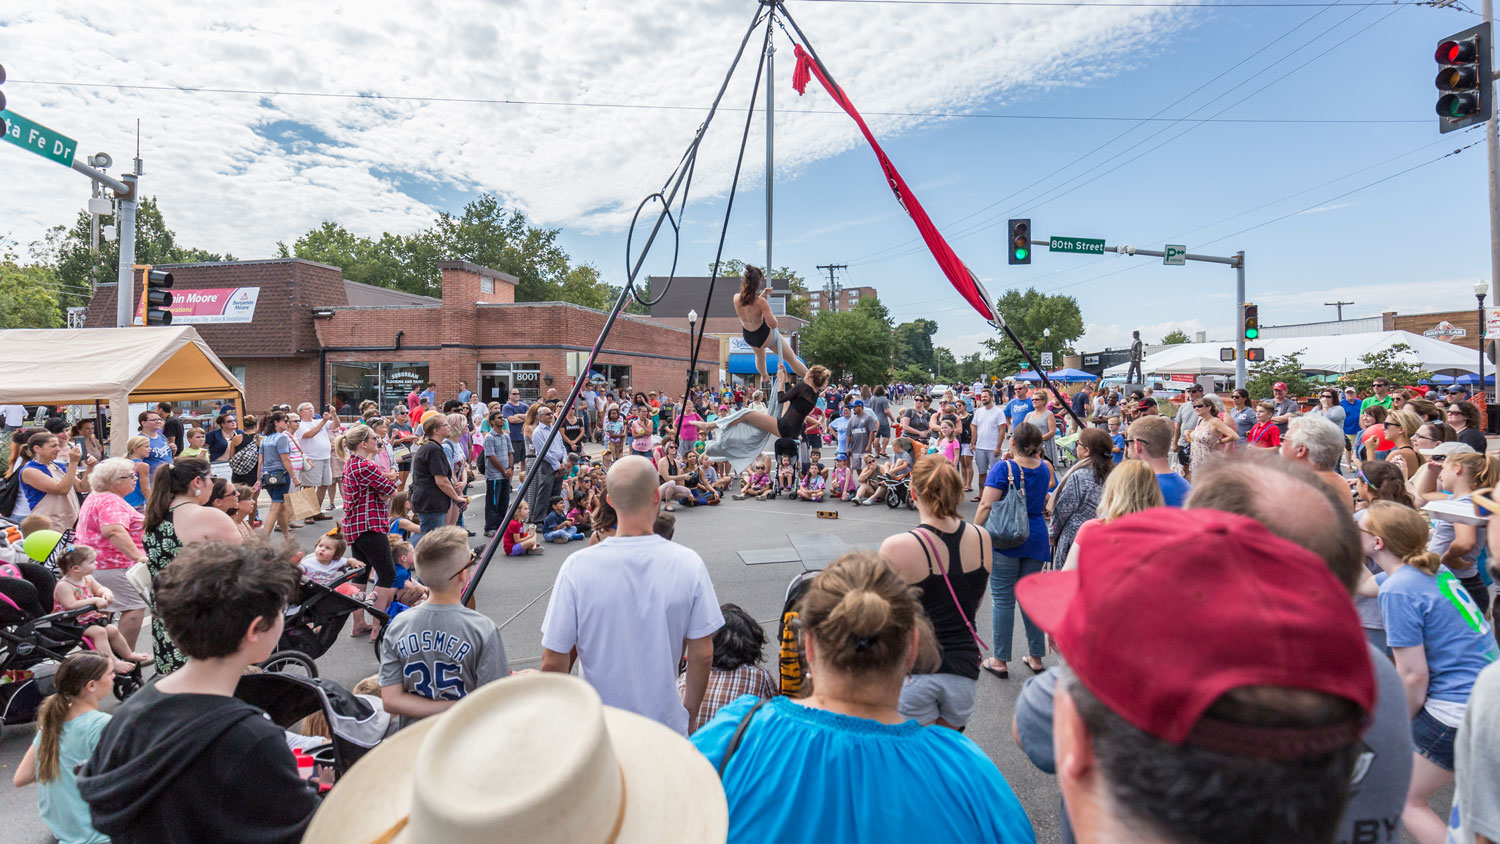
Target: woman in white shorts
point(948, 560)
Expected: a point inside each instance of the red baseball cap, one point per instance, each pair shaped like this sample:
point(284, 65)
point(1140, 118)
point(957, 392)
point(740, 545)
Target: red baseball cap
point(1279, 385)
point(1170, 609)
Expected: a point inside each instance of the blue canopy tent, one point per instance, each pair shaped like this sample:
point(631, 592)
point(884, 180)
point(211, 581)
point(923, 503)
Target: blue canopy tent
point(1471, 378)
point(1028, 375)
point(1439, 379)
point(1072, 375)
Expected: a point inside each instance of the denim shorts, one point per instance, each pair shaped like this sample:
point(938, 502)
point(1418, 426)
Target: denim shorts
point(277, 491)
point(1433, 739)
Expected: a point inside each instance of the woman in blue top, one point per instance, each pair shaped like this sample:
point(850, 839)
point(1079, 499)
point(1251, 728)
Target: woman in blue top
point(1029, 472)
point(859, 771)
point(1440, 642)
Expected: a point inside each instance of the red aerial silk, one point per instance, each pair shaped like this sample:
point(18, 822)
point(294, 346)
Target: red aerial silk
point(966, 283)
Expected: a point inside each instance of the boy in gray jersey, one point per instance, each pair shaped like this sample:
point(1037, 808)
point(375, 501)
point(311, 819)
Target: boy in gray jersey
point(435, 653)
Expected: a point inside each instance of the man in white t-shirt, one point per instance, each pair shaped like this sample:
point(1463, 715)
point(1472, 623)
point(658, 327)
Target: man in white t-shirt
point(315, 438)
point(629, 607)
point(13, 416)
point(987, 422)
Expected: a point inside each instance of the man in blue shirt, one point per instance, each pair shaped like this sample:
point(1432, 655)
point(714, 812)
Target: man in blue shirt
point(1015, 411)
point(1351, 405)
point(1149, 439)
point(161, 448)
point(430, 394)
point(515, 416)
point(463, 392)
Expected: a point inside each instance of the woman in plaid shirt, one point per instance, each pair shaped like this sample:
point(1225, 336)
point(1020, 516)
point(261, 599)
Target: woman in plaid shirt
point(737, 649)
point(366, 520)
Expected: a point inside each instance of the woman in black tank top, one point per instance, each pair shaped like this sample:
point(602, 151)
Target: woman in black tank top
point(796, 401)
point(948, 560)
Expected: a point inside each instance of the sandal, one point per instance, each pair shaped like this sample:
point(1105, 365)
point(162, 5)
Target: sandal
point(670, 509)
point(975, 498)
point(355, 633)
point(1002, 672)
point(1037, 668)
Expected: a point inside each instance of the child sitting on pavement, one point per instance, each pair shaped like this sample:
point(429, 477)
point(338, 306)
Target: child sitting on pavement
point(435, 654)
point(813, 485)
point(841, 483)
point(519, 539)
point(556, 526)
point(757, 480)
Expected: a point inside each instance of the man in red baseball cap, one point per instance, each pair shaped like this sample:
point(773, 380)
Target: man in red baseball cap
point(1234, 717)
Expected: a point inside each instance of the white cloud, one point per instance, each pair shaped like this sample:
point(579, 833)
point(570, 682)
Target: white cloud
point(227, 184)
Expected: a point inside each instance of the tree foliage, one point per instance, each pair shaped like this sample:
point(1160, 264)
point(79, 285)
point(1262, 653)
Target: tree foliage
point(1028, 314)
point(1175, 336)
point(68, 252)
point(913, 344)
point(854, 344)
point(27, 297)
point(1397, 364)
point(1285, 368)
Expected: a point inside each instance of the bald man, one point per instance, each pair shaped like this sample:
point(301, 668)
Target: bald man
point(629, 606)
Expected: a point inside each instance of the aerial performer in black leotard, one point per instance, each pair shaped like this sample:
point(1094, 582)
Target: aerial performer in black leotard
point(753, 307)
point(796, 402)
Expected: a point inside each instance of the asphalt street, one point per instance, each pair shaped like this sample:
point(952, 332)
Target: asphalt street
point(515, 590)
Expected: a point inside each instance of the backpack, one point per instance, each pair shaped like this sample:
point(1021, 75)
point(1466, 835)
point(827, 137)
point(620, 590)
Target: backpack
point(10, 490)
point(1008, 523)
point(247, 457)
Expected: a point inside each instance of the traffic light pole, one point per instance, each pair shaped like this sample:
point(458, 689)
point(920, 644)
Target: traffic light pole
point(1237, 260)
point(1492, 146)
point(125, 280)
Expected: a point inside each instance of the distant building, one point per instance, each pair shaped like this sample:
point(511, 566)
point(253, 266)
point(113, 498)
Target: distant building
point(818, 301)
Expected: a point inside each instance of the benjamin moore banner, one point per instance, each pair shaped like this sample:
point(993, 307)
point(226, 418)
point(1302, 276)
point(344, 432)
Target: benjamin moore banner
point(207, 305)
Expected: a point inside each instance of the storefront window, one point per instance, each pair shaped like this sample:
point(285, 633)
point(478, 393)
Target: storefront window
point(385, 383)
point(496, 380)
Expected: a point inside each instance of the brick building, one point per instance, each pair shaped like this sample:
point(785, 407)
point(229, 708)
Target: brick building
point(308, 332)
point(818, 301)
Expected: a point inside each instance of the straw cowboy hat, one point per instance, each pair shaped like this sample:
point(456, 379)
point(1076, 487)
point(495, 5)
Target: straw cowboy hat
point(532, 758)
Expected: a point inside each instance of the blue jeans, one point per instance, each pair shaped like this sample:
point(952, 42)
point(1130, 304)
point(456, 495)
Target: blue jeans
point(568, 533)
point(1003, 576)
point(431, 521)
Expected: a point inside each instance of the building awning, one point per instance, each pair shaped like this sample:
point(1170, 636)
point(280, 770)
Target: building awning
point(744, 364)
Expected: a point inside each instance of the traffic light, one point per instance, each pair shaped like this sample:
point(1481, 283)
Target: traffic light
point(3, 127)
point(1464, 79)
point(158, 296)
point(1255, 355)
point(1226, 354)
point(1019, 241)
point(1251, 322)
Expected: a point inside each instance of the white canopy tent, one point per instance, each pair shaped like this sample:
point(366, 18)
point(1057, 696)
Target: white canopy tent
point(1335, 354)
point(116, 366)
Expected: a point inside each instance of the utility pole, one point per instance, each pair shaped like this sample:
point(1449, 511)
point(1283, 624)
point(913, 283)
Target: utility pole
point(1340, 306)
point(833, 284)
point(1492, 147)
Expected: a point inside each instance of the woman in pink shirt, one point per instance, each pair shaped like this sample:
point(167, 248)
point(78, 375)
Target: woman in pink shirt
point(113, 529)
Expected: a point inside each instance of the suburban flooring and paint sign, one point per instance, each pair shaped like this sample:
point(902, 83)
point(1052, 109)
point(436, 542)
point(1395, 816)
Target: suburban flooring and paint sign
point(208, 305)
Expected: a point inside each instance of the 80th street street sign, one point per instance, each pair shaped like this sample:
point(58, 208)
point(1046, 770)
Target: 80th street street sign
point(1084, 245)
point(39, 139)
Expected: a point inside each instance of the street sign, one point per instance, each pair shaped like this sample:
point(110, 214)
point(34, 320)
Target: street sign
point(38, 138)
point(1491, 322)
point(1176, 255)
point(1083, 245)
point(1047, 359)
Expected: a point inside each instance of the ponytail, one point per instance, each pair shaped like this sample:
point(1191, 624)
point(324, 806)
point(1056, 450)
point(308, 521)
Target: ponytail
point(75, 672)
point(1482, 469)
point(169, 481)
point(1404, 531)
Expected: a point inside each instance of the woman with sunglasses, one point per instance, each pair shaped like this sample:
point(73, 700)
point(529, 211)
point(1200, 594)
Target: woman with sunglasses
point(1400, 427)
point(1243, 413)
point(674, 477)
point(1212, 434)
point(1464, 417)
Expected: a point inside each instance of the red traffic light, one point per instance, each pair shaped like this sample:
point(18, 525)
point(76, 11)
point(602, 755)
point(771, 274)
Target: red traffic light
point(1458, 51)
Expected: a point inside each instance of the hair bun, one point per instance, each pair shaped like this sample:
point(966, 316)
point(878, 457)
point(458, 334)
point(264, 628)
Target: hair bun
point(864, 612)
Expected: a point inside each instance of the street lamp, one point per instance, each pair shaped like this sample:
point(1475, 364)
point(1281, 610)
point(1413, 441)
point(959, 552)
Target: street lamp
point(1480, 289)
point(692, 323)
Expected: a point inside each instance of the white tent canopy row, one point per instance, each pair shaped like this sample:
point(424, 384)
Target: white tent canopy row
point(116, 366)
point(1336, 354)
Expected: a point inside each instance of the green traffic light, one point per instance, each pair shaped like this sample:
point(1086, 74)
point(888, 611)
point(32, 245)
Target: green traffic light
point(1252, 333)
point(1021, 254)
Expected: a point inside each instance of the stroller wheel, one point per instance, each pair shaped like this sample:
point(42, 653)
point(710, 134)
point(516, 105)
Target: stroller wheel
point(893, 499)
point(291, 662)
point(126, 685)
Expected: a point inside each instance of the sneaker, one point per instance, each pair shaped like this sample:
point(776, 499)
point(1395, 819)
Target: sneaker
point(534, 552)
point(739, 496)
point(855, 501)
point(871, 501)
point(488, 534)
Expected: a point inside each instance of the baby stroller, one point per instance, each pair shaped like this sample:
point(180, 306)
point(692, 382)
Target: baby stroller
point(897, 491)
point(30, 650)
point(315, 620)
point(356, 724)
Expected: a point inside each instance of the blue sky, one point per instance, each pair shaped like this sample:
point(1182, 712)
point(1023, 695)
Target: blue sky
point(240, 172)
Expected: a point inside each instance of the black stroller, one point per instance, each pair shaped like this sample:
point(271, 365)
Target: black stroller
point(897, 491)
point(355, 724)
point(30, 650)
point(315, 620)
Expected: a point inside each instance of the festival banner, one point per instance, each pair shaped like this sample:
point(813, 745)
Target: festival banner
point(208, 305)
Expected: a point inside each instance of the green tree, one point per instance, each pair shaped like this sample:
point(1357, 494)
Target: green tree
point(945, 365)
point(582, 286)
point(1027, 314)
point(1285, 368)
point(27, 294)
point(912, 375)
point(854, 343)
point(1397, 364)
point(913, 344)
point(79, 268)
point(1175, 336)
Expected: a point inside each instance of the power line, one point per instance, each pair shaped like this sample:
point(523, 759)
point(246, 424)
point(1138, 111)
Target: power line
point(1149, 5)
point(187, 89)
